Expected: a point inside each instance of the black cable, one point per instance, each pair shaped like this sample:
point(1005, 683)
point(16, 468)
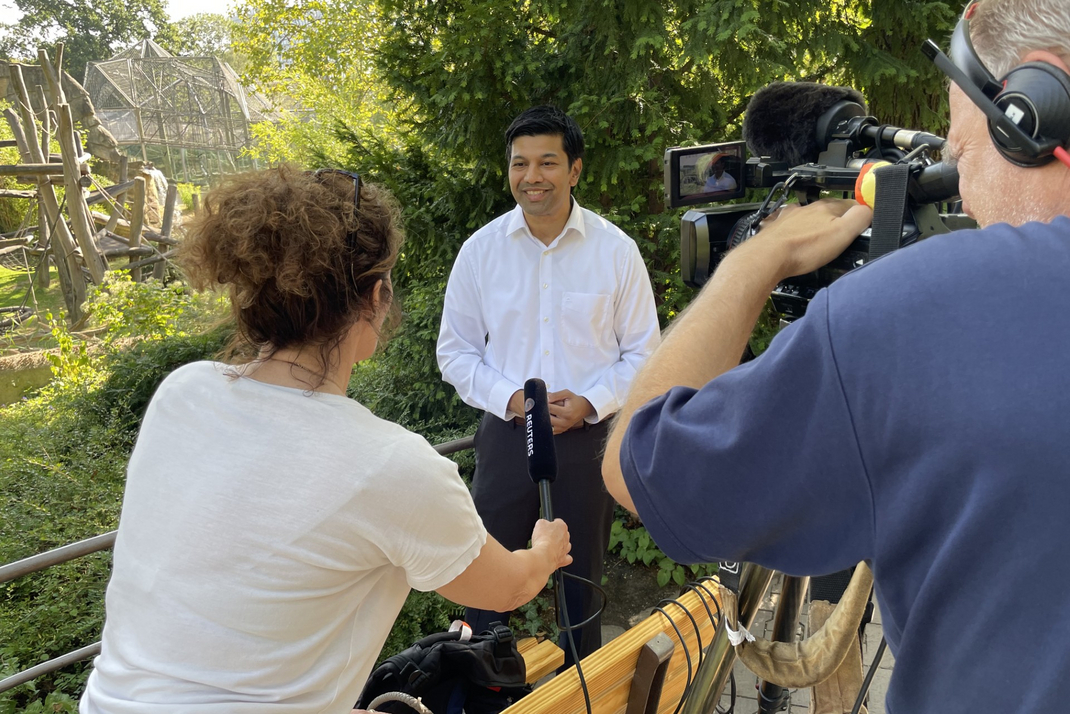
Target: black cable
point(598, 611)
point(701, 653)
point(732, 697)
point(713, 598)
point(687, 656)
point(869, 677)
point(694, 624)
point(568, 628)
point(693, 587)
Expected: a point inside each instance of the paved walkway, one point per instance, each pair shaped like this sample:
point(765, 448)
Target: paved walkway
point(746, 683)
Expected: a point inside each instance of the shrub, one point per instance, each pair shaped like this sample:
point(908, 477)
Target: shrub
point(636, 546)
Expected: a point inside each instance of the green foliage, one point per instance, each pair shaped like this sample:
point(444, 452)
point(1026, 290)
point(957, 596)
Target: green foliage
point(145, 310)
point(54, 703)
point(62, 480)
point(72, 369)
point(185, 195)
point(314, 59)
point(636, 546)
point(204, 34)
point(537, 618)
point(89, 30)
point(423, 614)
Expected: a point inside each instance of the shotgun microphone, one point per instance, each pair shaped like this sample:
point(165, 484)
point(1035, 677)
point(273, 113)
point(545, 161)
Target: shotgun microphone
point(542, 458)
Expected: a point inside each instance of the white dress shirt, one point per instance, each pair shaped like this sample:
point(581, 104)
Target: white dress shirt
point(578, 314)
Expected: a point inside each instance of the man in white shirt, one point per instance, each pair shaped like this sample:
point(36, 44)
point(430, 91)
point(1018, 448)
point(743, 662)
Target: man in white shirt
point(718, 180)
point(553, 291)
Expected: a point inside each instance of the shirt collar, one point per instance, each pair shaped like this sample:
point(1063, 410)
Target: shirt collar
point(517, 223)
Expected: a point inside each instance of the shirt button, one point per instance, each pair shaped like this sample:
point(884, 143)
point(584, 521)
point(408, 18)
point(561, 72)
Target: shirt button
point(545, 319)
point(546, 352)
point(545, 285)
point(546, 252)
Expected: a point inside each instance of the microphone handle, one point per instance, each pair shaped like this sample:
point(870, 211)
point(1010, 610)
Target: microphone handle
point(548, 514)
point(544, 499)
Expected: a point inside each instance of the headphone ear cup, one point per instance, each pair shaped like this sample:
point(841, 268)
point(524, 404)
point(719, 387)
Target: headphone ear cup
point(1036, 97)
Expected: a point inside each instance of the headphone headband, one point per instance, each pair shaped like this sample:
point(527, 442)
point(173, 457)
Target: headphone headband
point(1008, 112)
point(964, 56)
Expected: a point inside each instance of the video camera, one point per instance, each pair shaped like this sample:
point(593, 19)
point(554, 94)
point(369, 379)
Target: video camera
point(807, 139)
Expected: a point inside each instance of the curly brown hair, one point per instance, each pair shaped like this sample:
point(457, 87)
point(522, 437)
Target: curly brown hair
point(299, 261)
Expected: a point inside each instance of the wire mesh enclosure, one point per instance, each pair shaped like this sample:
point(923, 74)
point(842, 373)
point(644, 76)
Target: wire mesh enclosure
point(190, 114)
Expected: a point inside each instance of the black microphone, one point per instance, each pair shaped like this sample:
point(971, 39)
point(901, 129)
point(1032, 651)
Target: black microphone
point(542, 458)
point(795, 122)
point(782, 119)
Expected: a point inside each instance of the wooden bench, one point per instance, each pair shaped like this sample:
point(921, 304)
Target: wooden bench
point(540, 657)
point(610, 671)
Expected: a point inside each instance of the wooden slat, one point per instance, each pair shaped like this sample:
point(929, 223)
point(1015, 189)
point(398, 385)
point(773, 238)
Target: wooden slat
point(609, 671)
point(540, 658)
point(107, 193)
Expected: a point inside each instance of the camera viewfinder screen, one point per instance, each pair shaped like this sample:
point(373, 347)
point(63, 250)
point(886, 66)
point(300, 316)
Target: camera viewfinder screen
point(712, 172)
point(706, 174)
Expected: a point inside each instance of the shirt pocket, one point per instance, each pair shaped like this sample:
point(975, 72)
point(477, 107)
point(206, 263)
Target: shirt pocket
point(586, 319)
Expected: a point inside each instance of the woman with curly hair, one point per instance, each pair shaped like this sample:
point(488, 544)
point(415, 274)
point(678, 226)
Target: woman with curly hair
point(271, 526)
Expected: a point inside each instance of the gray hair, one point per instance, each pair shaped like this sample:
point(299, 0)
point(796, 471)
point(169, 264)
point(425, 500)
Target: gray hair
point(1003, 30)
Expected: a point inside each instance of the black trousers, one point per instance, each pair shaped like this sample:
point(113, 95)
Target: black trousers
point(508, 502)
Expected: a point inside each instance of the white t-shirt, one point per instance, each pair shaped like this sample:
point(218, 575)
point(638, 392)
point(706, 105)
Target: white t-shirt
point(269, 537)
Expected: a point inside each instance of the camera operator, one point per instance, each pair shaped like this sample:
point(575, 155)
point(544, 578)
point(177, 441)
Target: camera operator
point(916, 417)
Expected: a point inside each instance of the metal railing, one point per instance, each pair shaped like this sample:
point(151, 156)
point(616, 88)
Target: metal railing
point(66, 553)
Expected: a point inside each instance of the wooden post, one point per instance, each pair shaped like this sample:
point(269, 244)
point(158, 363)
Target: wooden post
point(33, 145)
point(137, 220)
point(76, 207)
point(114, 212)
point(44, 275)
point(70, 150)
point(46, 120)
point(62, 243)
point(55, 84)
point(195, 198)
point(159, 269)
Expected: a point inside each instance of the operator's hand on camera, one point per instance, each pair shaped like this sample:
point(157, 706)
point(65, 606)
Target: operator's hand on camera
point(567, 410)
point(804, 238)
point(551, 541)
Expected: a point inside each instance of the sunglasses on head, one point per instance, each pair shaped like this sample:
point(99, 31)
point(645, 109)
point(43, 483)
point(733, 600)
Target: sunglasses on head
point(356, 189)
point(355, 177)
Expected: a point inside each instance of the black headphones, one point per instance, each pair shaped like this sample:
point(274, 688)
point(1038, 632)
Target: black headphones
point(1028, 110)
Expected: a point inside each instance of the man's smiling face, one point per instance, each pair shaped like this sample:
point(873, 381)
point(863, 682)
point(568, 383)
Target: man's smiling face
point(540, 176)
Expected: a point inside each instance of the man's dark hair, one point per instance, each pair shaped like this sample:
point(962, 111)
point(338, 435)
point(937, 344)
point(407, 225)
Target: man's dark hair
point(545, 119)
